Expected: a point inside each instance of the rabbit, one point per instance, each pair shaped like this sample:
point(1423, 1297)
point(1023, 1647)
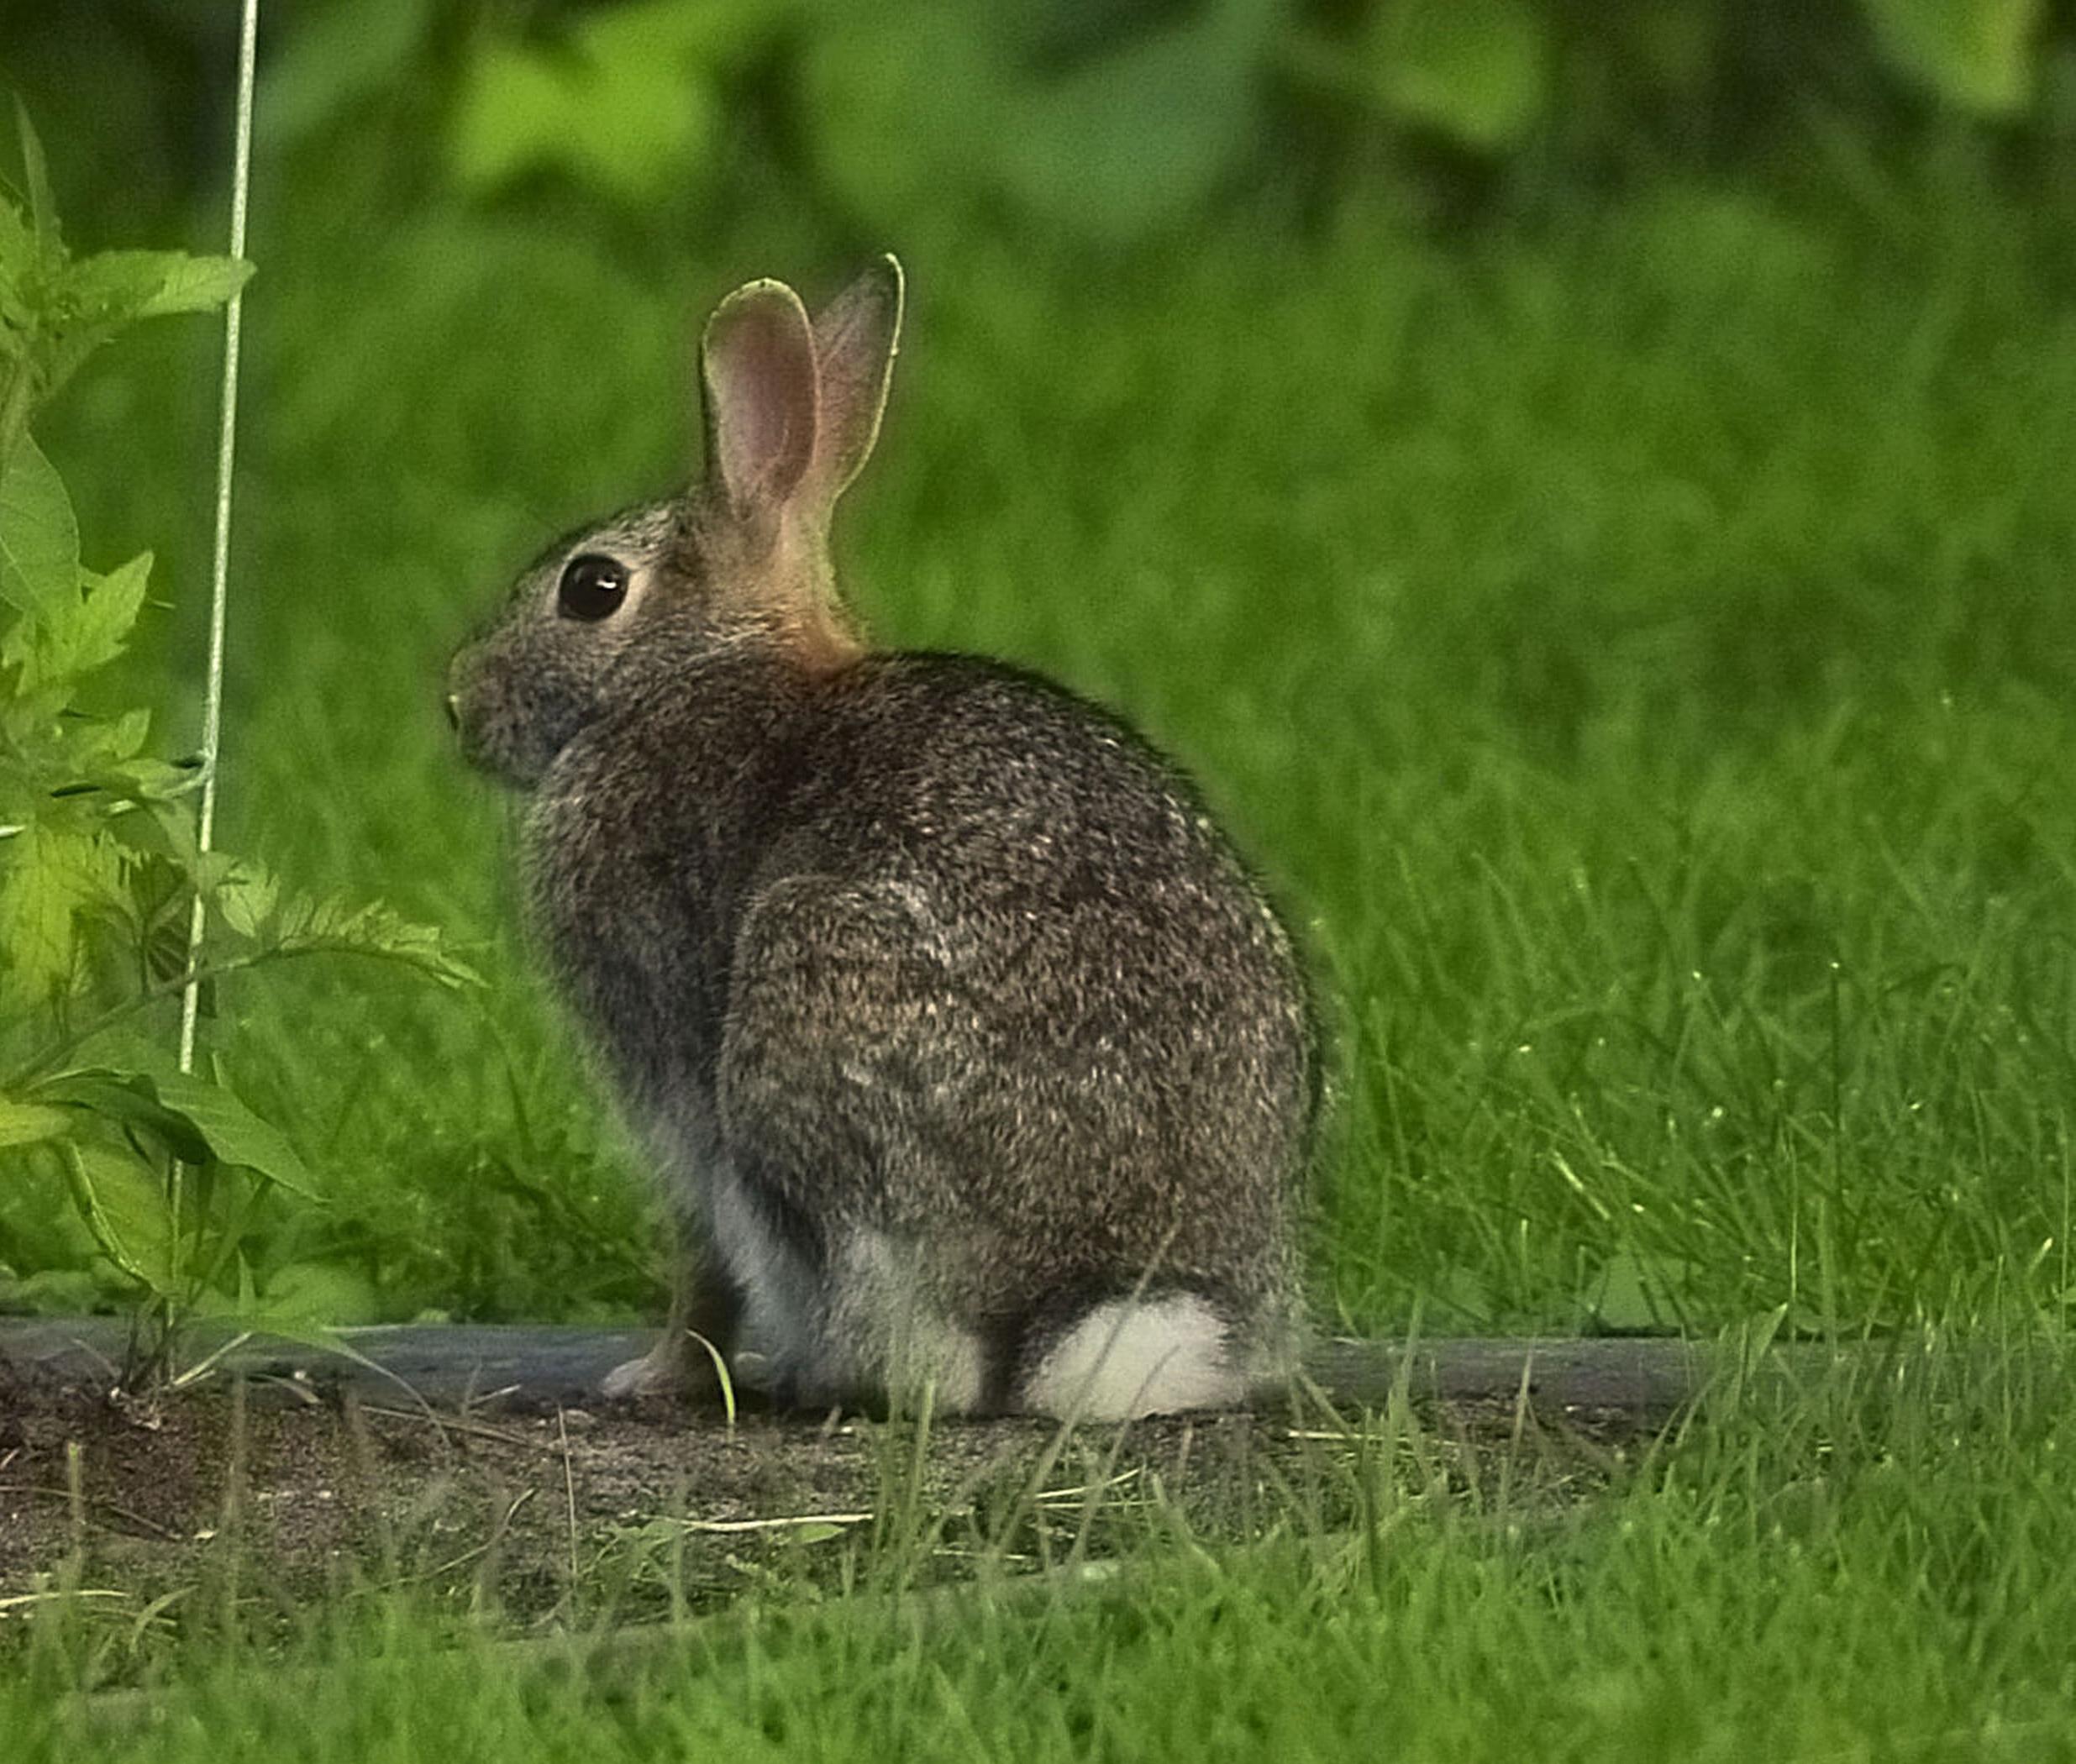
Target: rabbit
point(974, 1057)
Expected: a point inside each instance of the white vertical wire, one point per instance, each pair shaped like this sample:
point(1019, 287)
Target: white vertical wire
point(219, 584)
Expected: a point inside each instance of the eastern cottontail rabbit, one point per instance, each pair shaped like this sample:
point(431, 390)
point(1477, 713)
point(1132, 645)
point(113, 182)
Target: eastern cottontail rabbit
point(968, 1047)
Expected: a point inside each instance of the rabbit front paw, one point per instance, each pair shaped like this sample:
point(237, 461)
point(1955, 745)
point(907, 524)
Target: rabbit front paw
point(667, 1370)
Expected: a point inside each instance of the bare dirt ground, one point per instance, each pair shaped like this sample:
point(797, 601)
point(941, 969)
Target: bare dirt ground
point(284, 1492)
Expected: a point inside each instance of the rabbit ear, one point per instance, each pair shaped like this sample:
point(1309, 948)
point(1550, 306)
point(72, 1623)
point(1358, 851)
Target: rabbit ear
point(856, 337)
point(758, 358)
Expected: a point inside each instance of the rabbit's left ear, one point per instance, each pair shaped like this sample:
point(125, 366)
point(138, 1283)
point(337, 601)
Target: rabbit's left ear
point(856, 337)
point(758, 357)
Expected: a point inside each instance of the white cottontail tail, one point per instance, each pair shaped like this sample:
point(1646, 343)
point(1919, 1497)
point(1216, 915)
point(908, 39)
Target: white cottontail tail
point(968, 1049)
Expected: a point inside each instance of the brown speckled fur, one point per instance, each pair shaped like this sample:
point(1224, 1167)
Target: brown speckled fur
point(932, 984)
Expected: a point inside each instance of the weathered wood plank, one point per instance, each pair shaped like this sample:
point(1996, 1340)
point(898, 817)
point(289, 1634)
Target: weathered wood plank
point(452, 1364)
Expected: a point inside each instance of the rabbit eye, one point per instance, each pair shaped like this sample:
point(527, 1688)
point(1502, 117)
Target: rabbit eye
point(593, 587)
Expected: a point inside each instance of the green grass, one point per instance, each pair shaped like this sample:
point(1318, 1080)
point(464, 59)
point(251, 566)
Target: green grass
point(1639, 647)
point(1878, 1567)
point(1636, 646)
point(1636, 650)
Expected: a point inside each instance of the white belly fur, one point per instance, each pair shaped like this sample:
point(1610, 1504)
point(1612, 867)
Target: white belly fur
point(782, 1302)
point(866, 1326)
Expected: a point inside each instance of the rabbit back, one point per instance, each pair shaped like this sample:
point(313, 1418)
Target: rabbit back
point(1003, 1007)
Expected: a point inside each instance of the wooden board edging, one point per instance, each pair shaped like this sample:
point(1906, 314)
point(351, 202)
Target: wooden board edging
point(525, 1365)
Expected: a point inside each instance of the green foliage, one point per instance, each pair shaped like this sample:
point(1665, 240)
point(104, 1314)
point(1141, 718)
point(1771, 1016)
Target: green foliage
point(1109, 123)
point(631, 100)
point(1098, 121)
point(54, 312)
point(340, 55)
point(1978, 55)
point(99, 867)
point(928, 99)
point(1474, 71)
point(39, 538)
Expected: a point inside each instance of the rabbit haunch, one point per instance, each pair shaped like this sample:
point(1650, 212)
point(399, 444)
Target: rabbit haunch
point(969, 1052)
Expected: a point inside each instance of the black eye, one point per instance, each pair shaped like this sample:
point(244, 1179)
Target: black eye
point(593, 587)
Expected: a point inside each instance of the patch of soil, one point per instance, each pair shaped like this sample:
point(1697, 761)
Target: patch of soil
point(279, 1493)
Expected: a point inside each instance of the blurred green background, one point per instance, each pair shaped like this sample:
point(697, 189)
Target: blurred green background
point(1586, 482)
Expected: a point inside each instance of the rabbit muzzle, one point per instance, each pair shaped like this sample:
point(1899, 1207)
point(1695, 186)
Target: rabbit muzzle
point(499, 730)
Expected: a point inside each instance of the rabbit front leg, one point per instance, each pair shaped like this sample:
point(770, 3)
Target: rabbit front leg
point(706, 1307)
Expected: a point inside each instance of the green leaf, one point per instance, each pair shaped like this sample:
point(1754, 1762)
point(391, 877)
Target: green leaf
point(125, 1207)
point(668, 124)
point(1474, 70)
point(112, 288)
point(118, 1098)
point(196, 284)
point(126, 733)
point(77, 631)
point(334, 925)
point(336, 55)
point(139, 779)
point(247, 897)
point(197, 1121)
point(17, 263)
point(317, 1292)
point(650, 68)
point(36, 174)
point(29, 1123)
point(1635, 1291)
point(706, 36)
point(900, 110)
point(234, 1134)
point(39, 534)
point(1144, 134)
point(500, 112)
point(1978, 55)
point(47, 874)
point(932, 101)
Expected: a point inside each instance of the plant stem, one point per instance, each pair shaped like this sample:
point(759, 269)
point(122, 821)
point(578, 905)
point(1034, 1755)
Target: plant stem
point(219, 587)
point(14, 411)
point(226, 454)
